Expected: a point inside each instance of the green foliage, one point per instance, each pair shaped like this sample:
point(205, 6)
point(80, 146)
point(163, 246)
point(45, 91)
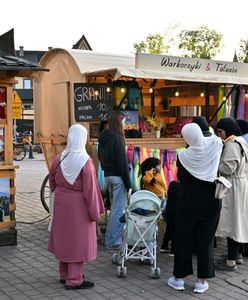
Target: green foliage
point(243, 51)
point(154, 44)
point(200, 43)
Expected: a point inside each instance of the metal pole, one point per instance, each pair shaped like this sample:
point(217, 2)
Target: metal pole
point(207, 101)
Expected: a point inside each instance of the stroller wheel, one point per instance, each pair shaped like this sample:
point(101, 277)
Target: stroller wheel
point(122, 272)
point(116, 259)
point(155, 273)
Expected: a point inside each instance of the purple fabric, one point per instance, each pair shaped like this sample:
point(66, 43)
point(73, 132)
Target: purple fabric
point(76, 208)
point(241, 104)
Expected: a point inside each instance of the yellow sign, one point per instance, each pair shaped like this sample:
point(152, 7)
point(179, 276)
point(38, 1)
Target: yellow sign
point(16, 106)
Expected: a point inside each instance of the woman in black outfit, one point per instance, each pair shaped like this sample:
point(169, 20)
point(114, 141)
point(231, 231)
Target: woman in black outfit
point(197, 209)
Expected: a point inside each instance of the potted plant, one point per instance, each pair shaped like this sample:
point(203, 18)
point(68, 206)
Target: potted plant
point(154, 123)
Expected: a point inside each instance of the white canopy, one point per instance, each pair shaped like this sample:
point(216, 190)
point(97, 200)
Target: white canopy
point(149, 66)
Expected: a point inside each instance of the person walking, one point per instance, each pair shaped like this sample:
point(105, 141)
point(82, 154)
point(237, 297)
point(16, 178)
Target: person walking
point(77, 206)
point(197, 209)
point(113, 159)
point(233, 223)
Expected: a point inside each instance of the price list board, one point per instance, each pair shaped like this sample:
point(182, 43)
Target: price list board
point(92, 102)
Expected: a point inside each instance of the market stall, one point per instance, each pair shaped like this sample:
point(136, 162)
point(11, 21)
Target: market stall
point(156, 92)
point(10, 67)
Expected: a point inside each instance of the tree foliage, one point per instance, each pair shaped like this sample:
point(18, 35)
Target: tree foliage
point(243, 51)
point(200, 43)
point(153, 44)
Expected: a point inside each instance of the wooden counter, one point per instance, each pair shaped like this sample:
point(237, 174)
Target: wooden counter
point(158, 143)
point(153, 143)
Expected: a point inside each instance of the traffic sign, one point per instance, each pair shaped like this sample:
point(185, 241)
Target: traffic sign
point(16, 106)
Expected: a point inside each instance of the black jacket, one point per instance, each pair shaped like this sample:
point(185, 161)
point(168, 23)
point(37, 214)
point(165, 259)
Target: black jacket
point(112, 156)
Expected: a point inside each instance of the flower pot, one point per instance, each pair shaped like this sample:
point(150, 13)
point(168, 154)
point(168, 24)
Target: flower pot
point(157, 134)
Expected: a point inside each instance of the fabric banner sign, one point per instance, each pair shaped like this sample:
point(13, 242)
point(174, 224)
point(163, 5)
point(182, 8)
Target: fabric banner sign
point(184, 65)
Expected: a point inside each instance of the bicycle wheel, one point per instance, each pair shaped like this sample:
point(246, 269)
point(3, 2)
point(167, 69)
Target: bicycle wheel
point(45, 194)
point(19, 152)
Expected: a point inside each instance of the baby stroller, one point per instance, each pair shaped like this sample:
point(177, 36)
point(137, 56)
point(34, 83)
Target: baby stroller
point(141, 216)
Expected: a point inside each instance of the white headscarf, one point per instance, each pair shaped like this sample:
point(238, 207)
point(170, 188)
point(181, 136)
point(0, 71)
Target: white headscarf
point(201, 159)
point(77, 155)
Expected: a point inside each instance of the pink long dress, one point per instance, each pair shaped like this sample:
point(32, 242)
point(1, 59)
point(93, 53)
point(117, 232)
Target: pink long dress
point(76, 208)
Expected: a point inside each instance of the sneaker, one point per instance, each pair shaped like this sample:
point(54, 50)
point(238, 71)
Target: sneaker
point(240, 261)
point(164, 250)
point(176, 284)
point(201, 287)
point(225, 267)
point(222, 260)
point(171, 254)
point(82, 286)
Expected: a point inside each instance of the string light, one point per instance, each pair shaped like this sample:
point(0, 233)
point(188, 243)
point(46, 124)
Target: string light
point(96, 93)
point(202, 94)
point(224, 98)
point(108, 89)
point(177, 93)
point(150, 90)
point(122, 90)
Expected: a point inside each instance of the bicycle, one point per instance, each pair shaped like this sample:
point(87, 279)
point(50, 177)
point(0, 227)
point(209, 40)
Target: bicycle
point(45, 194)
point(24, 145)
point(19, 151)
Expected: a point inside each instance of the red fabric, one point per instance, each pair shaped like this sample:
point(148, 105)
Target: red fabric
point(76, 208)
point(246, 109)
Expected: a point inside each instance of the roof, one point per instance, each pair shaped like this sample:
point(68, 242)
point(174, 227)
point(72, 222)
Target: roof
point(9, 62)
point(32, 55)
point(82, 43)
point(25, 94)
point(92, 63)
point(7, 44)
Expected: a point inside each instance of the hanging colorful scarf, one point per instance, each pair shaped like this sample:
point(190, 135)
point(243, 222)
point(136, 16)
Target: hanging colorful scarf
point(220, 100)
point(137, 173)
point(241, 104)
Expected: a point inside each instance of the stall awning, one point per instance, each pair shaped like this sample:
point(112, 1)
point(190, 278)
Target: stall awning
point(149, 74)
point(149, 66)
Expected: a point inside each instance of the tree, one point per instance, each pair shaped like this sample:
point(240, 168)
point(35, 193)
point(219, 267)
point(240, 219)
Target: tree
point(154, 44)
point(243, 51)
point(200, 43)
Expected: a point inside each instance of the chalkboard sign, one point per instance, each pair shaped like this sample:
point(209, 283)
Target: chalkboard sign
point(92, 102)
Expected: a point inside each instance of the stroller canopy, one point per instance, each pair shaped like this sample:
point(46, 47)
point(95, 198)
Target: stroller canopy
point(146, 200)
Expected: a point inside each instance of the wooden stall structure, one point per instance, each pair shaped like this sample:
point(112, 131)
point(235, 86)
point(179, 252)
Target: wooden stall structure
point(10, 67)
point(80, 88)
point(85, 86)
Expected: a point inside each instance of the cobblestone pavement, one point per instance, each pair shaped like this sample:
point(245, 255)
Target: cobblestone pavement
point(28, 271)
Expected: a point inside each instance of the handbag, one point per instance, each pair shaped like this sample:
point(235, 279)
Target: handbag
point(222, 185)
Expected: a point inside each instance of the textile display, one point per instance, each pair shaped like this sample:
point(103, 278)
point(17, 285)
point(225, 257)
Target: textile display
point(241, 104)
point(136, 155)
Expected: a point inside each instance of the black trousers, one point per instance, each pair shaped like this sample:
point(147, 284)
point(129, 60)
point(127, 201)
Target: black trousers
point(232, 249)
point(201, 232)
point(168, 236)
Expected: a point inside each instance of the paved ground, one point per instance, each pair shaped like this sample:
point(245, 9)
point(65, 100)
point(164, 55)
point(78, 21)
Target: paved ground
point(28, 271)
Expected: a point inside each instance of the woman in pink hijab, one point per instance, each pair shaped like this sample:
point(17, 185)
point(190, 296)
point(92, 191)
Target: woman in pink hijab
point(77, 206)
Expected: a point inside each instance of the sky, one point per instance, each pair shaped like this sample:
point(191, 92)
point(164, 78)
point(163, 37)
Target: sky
point(113, 26)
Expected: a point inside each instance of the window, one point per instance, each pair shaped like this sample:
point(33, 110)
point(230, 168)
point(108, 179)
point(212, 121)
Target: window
point(27, 83)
